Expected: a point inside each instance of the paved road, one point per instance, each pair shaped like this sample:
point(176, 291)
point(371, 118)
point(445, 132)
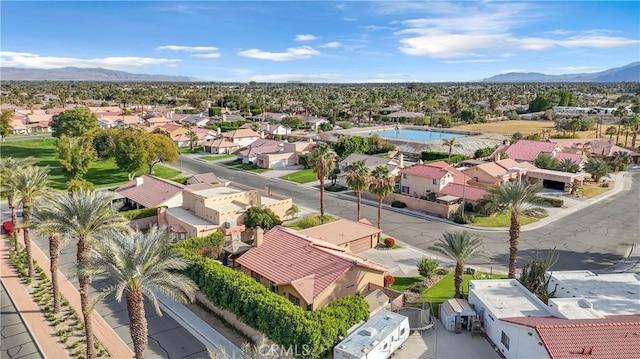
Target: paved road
point(593, 238)
point(15, 341)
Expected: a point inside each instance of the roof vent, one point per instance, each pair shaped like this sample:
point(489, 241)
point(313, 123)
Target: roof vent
point(584, 303)
point(371, 331)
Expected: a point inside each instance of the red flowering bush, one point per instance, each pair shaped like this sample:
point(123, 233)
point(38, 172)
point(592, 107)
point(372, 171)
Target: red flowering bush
point(389, 280)
point(389, 242)
point(8, 227)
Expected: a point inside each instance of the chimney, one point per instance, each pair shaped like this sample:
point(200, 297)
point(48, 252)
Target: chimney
point(224, 117)
point(139, 181)
point(401, 160)
point(258, 234)
point(267, 191)
point(218, 131)
point(262, 135)
point(269, 128)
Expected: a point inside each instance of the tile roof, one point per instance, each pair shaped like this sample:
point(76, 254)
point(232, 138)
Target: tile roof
point(470, 192)
point(527, 150)
point(287, 257)
point(576, 158)
point(341, 231)
point(422, 170)
point(509, 163)
point(153, 191)
point(241, 133)
point(204, 178)
point(261, 146)
point(221, 143)
point(609, 338)
point(458, 176)
point(492, 169)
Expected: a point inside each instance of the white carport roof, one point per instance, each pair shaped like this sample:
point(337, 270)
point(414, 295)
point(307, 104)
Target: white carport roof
point(554, 175)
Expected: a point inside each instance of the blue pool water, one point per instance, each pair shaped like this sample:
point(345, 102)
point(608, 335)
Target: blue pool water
point(417, 135)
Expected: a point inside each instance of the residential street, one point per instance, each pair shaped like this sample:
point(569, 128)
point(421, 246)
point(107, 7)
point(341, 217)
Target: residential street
point(593, 238)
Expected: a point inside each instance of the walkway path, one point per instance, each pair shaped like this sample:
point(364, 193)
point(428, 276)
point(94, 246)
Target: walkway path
point(16, 341)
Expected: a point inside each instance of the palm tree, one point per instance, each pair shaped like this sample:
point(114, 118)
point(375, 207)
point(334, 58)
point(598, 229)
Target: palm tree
point(193, 138)
point(381, 186)
point(323, 161)
point(518, 198)
point(621, 158)
point(30, 183)
point(358, 180)
point(9, 167)
point(567, 165)
point(449, 143)
point(634, 126)
point(546, 161)
point(141, 264)
point(82, 216)
point(620, 112)
point(460, 246)
point(611, 130)
point(597, 168)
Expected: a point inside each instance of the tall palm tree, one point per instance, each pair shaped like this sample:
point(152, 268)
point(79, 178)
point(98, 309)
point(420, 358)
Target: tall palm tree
point(611, 130)
point(82, 216)
point(41, 215)
point(30, 183)
point(449, 143)
point(323, 161)
point(381, 186)
point(141, 264)
point(620, 112)
point(193, 138)
point(9, 167)
point(460, 246)
point(358, 180)
point(517, 198)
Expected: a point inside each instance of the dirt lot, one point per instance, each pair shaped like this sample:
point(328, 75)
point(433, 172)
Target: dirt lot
point(524, 127)
point(221, 326)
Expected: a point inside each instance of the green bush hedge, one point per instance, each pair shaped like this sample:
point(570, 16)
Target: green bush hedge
point(140, 213)
point(553, 202)
point(280, 320)
point(398, 204)
point(429, 156)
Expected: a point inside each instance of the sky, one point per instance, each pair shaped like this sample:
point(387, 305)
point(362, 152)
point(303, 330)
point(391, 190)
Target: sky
point(322, 41)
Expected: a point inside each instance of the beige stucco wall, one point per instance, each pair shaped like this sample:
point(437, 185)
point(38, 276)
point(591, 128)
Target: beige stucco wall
point(439, 209)
point(192, 231)
point(483, 177)
point(420, 185)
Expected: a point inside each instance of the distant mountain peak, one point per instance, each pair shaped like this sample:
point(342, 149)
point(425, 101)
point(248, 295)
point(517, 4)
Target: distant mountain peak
point(81, 74)
point(627, 73)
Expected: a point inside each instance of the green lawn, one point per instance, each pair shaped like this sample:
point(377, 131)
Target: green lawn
point(246, 167)
point(402, 283)
point(187, 150)
point(103, 173)
point(217, 157)
point(444, 289)
point(501, 220)
point(303, 176)
point(590, 189)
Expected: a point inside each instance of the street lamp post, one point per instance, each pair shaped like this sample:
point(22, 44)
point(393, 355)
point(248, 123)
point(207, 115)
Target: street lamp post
point(464, 187)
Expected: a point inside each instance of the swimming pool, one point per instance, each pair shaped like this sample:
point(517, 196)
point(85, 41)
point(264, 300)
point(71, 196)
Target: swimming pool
point(417, 135)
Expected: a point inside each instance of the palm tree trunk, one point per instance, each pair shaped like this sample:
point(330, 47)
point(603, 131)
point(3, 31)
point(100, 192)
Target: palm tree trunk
point(457, 281)
point(626, 138)
point(322, 197)
point(137, 322)
point(618, 132)
point(359, 197)
point(379, 212)
point(54, 253)
point(633, 139)
point(26, 217)
point(514, 235)
point(11, 201)
point(83, 281)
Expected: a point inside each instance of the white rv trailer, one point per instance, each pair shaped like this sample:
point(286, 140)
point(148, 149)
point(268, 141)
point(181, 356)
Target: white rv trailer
point(376, 339)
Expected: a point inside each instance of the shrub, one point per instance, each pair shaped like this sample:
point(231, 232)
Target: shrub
point(553, 202)
point(417, 287)
point(398, 204)
point(140, 213)
point(427, 267)
point(442, 271)
point(460, 219)
point(389, 242)
point(389, 280)
point(604, 184)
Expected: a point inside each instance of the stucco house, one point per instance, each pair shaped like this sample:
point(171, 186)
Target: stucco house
point(309, 272)
point(242, 136)
point(420, 179)
point(501, 171)
point(393, 164)
point(220, 145)
point(266, 153)
point(526, 150)
point(156, 121)
point(354, 236)
point(314, 122)
point(149, 191)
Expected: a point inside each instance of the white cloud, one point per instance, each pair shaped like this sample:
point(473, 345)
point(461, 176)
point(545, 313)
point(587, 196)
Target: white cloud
point(22, 59)
point(377, 28)
point(296, 77)
point(292, 53)
point(350, 19)
point(212, 55)
point(187, 48)
point(331, 45)
point(484, 27)
point(472, 61)
point(305, 37)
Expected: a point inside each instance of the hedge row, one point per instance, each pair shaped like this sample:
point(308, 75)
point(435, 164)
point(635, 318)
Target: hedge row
point(280, 320)
point(429, 156)
point(140, 213)
point(553, 202)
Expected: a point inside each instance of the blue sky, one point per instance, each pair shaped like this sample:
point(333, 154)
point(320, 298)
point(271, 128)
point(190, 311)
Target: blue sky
point(322, 41)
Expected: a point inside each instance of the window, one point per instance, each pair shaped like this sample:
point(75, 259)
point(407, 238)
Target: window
point(405, 189)
point(293, 299)
point(404, 176)
point(273, 287)
point(255, 276)
point(402, 331)
point(309, 307)
point(505, 340)
point(435, 181)
point(385, 346)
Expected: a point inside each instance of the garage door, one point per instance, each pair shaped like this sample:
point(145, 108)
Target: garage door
point(277, 164)
point(553, 185)
point(292, 162)
point(360, 245)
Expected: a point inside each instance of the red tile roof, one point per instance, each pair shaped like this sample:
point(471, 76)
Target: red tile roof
point(241, 133)
point(576, 158)
point(436, 170)
point(153, 191)
point(220, 143)
point(286, 257)
point(470, 192)
point(526, 150)
point(208, 178)
point(341, 231)
point(608, 338)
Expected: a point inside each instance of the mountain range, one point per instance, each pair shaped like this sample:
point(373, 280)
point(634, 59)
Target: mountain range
point(630, 73)
point(82, 74)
